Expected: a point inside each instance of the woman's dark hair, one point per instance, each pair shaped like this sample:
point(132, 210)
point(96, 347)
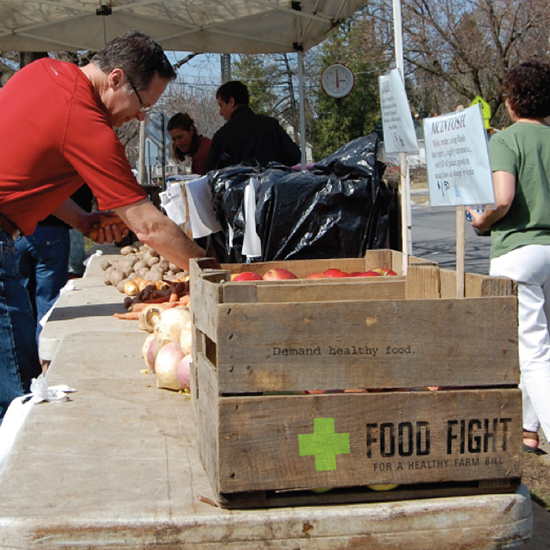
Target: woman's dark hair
point(233, 89)
point(184, 122)
point(138, 55)
point(527, 88)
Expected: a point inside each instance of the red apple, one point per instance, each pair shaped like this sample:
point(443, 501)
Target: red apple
point(366, 274)
point(334, 273)
point(278, 274)
point(383, 271)
point(246, 276)
point(317, 276)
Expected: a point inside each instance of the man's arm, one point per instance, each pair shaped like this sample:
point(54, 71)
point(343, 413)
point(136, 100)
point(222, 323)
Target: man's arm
point(160, 233)
point(84, 221)
point(505, 190)
point(213, 154)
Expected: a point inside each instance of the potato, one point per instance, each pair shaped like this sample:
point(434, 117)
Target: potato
point(115, 277)
point(126, 250)
point(104, 264)
point(152, 261)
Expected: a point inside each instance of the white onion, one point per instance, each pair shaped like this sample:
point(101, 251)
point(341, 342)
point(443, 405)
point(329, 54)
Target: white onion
point(170, 324)
point(149, 351)
point(183, 372)
point(166, 364)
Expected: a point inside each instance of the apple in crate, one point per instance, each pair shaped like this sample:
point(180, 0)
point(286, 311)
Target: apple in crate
point(335, 273)
point(365, 274)
point(246, 276)
point(279, 274)
point(317, 276)
point(383, 271)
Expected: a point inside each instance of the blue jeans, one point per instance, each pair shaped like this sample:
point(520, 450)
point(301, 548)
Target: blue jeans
point(19, 361)
point(43, 260)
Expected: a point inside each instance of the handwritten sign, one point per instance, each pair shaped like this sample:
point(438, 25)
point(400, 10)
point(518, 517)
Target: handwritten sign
point(457, 159)
point(397, 122)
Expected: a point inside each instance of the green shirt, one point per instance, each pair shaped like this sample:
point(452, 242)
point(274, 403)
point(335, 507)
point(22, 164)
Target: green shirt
point(523, 150)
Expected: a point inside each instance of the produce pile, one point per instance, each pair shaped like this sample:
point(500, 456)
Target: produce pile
point(280, 274)
point(156, 295)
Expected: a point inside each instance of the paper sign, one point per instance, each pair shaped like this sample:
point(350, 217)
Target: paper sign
point(252, 246)
point(397, 122)
point(457, 159)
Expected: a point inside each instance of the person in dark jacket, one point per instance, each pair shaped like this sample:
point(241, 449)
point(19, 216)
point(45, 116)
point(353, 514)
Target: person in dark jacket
point(247, 136)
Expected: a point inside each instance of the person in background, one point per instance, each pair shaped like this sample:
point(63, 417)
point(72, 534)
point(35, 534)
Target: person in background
point(56, 132)
point(186, 142)
point(520, 231)
point(43, 258)
point(248, 136)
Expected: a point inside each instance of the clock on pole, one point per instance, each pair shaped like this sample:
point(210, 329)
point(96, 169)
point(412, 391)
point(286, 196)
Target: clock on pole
point(337, 81)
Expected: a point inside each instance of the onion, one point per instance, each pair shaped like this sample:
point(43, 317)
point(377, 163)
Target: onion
point(149, 351)
point(166, 363)
point(183, 372)
point(170, 324)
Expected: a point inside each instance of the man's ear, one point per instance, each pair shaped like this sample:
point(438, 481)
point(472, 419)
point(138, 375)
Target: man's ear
point(116, 78)
point(231, 102)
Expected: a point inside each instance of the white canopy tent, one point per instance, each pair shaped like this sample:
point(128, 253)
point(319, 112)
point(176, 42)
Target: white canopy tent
point(208, 26)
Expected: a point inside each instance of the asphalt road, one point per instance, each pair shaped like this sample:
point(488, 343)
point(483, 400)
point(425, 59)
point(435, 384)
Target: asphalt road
point(434, 238)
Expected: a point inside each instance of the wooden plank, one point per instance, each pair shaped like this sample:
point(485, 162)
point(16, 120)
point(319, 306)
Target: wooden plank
point(447, 279)
point(364, 288)
point(346, 440)
point(422, 282)
point(206, 408)
point(368, 344)
point(499, 286)
point(205, 296)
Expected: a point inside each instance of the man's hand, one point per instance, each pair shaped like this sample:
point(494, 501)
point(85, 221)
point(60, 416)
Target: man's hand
point(104, 227)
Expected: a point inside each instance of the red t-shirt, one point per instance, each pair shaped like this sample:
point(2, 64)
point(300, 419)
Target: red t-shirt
point(54, 136)
point(200, 157)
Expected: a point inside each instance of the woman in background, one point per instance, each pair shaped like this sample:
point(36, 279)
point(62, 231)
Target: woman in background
point(520, 232)
point(186, 141)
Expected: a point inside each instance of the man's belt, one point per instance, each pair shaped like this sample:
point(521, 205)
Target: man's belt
point(9, 227)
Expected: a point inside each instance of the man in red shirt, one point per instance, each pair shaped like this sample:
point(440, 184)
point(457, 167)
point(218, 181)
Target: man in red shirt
point(56, 132)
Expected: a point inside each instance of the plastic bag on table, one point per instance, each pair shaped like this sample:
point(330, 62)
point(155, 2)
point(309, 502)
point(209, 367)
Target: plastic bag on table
point(338, 210)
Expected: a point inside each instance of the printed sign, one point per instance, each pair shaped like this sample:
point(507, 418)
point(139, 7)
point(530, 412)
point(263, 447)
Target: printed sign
point(457, 159)
point(397, 122)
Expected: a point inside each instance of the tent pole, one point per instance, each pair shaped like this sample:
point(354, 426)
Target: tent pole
point(302, 108)
point(405, 186)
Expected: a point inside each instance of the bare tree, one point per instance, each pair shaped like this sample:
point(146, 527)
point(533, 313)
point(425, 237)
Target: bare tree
point(457, 49)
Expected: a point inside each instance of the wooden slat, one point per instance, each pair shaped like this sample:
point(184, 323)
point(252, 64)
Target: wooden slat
point(316, 290)
point(447, 280)
point(367, 344)
point(422, 282)
point(403, 438)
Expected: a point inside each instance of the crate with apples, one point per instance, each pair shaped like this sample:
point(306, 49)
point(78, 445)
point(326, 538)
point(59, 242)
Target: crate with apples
point(354, 389)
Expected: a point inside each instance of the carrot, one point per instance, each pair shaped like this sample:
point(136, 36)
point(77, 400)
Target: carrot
point(158, 299)
point(130, 316)
point(184, 300)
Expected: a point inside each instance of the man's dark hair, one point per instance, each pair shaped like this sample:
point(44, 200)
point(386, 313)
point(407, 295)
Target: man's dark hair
point(527, 88)
point(138, 55)
point(233, 89)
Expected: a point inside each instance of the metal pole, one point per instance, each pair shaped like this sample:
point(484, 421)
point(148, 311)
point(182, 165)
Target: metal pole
point(163, 130)
point(302, 108)
point(405, 185)
point(141, 157)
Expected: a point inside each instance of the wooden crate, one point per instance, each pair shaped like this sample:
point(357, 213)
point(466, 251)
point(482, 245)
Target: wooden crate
point(260, 345)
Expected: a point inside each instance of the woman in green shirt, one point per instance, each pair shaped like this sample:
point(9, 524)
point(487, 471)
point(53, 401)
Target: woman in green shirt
point(520, 231)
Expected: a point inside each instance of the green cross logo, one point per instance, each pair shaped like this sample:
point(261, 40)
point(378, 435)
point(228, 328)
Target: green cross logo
point(324, 444)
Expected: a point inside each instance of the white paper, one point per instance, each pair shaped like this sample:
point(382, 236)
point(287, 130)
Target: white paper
point(173, 202)
point(457, 159)
point(252, 246)
point(201, 213)
point(397, 122)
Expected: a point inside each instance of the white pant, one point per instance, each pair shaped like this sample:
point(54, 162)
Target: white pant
point(530, 267)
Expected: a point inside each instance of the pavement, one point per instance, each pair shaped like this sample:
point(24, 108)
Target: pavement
point(434, 238)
